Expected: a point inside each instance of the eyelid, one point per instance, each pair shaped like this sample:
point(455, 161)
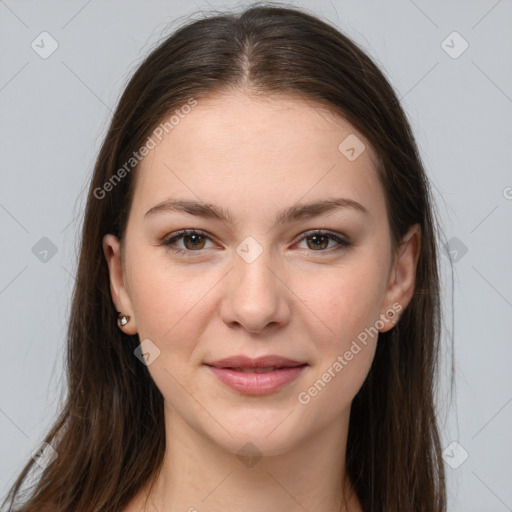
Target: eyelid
point(339, 238)
point(180, 234)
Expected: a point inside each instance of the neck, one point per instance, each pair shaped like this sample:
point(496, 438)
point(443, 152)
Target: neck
point(198, 475)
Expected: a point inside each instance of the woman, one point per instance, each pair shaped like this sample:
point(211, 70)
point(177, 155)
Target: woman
point(255, 321)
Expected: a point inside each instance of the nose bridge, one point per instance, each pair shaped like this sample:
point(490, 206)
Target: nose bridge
point(256, 296)
point(252, 267)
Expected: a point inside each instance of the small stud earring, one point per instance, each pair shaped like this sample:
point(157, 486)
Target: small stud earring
point(123, 319)
point(391, 314)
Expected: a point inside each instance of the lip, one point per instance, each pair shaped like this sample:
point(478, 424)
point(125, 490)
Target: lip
point(257, 383)
point(260, 362)
point(252, 383)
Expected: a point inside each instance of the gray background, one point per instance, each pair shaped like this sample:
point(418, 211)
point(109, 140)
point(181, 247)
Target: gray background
point(55, 112)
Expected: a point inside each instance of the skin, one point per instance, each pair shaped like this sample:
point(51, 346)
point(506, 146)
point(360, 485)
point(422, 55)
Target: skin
point(254, 156)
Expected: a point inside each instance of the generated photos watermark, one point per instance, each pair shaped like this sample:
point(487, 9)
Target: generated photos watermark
point(304, 397)
point(151, 142)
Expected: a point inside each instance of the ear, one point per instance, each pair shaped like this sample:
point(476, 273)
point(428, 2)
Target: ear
point(402, 277)
point(120, 296)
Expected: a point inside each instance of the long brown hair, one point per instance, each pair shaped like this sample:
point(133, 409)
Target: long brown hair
point(110, 436)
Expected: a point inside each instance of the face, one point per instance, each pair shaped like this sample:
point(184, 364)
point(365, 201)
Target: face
point(314, 287)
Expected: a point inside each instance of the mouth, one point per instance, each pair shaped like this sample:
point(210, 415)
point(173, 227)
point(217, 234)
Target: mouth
point(257, 376)
point(261, 370)
point(269, 362)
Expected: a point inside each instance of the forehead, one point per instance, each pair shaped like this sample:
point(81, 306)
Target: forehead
point(241, 149)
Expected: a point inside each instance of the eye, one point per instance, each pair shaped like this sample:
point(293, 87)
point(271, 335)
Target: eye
point(320, 240)
point(191, 238)
point(194, 241)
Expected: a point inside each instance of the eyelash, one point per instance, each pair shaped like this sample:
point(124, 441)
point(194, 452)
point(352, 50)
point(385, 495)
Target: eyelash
point(169, 241)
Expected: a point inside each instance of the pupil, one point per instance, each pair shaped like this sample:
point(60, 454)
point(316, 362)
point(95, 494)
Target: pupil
point(195, 239)
point(317, 240)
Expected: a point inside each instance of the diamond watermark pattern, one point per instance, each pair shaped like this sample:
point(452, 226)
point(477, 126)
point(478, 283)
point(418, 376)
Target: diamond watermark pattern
point(455, 249)
point(351, 147)
point(454, 45)
point(44, 250)
point(249, 455)
point(455, 455)
point(249, 249)
point(44, 45)
point(44, 455)
point(147, 352)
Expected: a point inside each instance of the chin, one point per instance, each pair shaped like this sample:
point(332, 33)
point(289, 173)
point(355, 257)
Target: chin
point(256, 440)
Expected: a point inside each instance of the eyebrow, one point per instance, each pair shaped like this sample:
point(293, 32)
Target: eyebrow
point(287, 215)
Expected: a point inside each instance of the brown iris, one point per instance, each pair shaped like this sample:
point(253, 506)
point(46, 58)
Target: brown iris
point(196, 244)
point(316, 245)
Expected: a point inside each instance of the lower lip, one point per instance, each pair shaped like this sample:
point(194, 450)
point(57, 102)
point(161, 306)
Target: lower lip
point(257, 383)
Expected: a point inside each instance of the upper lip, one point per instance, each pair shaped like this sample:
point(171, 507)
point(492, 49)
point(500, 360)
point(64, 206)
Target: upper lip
point(260, 362)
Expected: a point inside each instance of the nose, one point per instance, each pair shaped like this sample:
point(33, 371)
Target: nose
point(256, 296)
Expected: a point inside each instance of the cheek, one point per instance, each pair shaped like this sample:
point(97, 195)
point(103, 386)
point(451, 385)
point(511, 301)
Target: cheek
point(348, 305)
point(341, 301)
point(166, 299)
point(169, 304)
point(331, 390)
point(344, 305)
